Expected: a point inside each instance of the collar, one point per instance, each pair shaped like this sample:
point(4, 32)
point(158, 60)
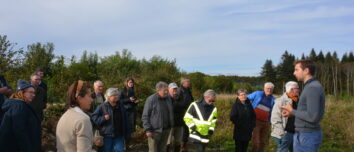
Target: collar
point(79, 110)
point(309, 81)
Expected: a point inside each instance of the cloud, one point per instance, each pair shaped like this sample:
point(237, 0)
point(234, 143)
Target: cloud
point(214, 37)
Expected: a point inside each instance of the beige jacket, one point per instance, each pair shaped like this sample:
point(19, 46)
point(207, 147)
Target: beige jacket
point(277, 120)
point(74, 132)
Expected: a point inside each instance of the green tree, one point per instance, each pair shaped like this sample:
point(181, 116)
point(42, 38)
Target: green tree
point(268, 71)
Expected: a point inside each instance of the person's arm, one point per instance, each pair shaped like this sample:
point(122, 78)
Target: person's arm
point(145, 118)
point(313, 112)
point(213, 122)
point(233, 114)
point(84, 135)
point(276, 118)
point(252, 96)
point(98, 116)
point(189, 118)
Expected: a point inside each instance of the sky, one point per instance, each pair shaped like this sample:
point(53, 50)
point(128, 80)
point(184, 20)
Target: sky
point(230, 37)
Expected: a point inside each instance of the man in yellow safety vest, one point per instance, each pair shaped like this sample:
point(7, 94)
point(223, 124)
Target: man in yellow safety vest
point(201, 120)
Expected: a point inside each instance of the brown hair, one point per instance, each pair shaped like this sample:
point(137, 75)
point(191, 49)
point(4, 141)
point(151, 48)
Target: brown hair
point(18, 95)
point(79, 88)
point(126, 85)
point(309, 64)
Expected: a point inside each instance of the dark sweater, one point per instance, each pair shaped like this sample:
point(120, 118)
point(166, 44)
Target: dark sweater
point(244, 119)
point(310, 108)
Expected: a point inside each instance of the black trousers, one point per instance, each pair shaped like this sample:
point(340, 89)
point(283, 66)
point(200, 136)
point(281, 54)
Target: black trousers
point(199, 147)
point(185, 133)
point(241, 146)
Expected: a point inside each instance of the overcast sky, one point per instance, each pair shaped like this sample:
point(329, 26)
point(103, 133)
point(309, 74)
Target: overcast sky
point(210, 36)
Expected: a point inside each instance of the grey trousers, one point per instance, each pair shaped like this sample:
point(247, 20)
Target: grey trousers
point(158, 141)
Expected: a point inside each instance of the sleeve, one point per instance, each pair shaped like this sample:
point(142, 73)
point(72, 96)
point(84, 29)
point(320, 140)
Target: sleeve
point(97, 116)
point(313, 112)
point(234, 114)
point(252, 96)
point(124, 98)
point(84, 135)
point(189, 118)
point(213, 122)
point(20, 115)
point(276, 118)
point(145, 118)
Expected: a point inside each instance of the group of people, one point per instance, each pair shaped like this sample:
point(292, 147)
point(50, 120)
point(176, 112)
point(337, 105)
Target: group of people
point(293, 119)
point(170, 116)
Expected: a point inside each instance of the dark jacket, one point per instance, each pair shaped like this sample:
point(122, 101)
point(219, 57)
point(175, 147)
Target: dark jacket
point(178, 110)
point(186, 98)
point(152, 116)
point(244, 119)
point(107, 126)
point(310, 108)
point(39, 102)
point(20, 129)
point(44, 86)
point(95, 104)
point(3, 83)
point(125, 97)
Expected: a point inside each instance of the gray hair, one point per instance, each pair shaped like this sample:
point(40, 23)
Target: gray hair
point(111, 92)
point(209, 92)
point(290, 85)
point(239, 91)
point(269, 84)
point(161, 85)
point(184, 79)
point(97, 81)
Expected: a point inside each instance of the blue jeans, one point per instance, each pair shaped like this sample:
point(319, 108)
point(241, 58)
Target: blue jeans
point(285, 143)
point(307, 141)
point(113, 143)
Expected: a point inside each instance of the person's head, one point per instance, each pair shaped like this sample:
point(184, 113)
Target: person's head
point(268, 88)
point(40, 72)
point(112, 95)
point(172, 89)
point(242, 94)
point(292, 88)
point(185, 82)
point(209, 96)
point(35, 79)
point(304, 69)
point(129, 82)
point(162, 89)
point(25, 91)
point(98, 86)
point(79, 94)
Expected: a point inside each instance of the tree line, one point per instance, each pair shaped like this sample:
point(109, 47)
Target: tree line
point(335, 74)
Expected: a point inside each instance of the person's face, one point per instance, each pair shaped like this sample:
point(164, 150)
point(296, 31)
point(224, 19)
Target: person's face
point(40, 74)
point(172, 92)
point(85, 102)
point(130, 84)
point(242, 96)
point(162, 92)
point(295, 91)
point(29, 94)
point(186, 84)
point(268, 90)
point(113, 99)
point(299, 73)
point(35, 80)
point(98, 87)
point(209, 99)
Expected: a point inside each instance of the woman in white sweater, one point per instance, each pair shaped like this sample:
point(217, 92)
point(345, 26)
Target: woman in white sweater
point(74, 129)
